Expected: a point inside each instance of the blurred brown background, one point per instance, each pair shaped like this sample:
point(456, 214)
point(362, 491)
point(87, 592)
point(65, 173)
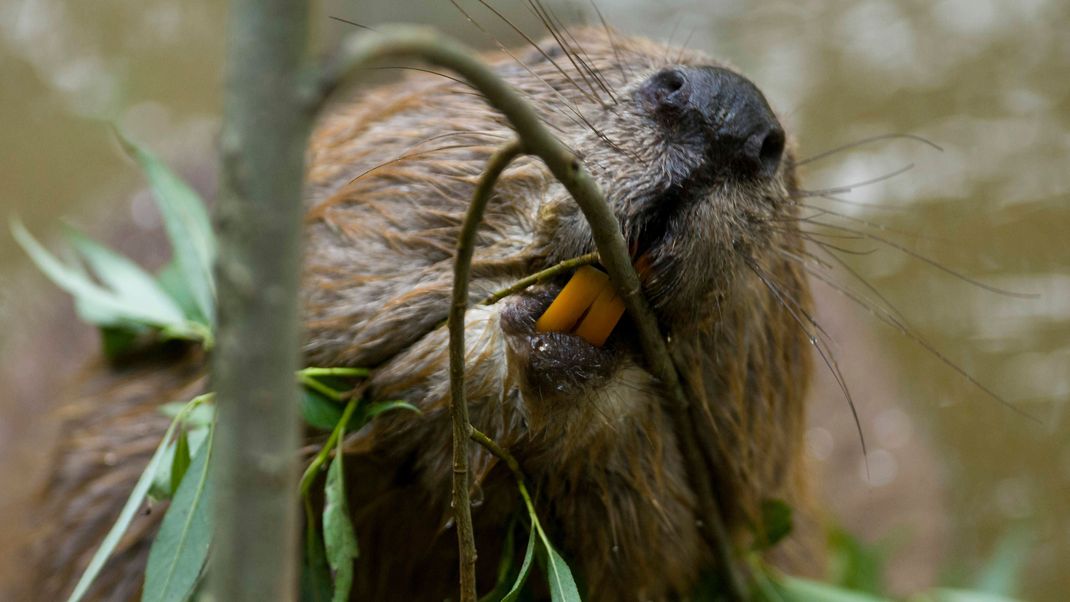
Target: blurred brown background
point(987, 80)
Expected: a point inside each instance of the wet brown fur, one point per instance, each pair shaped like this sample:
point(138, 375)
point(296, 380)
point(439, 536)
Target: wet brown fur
point(389, 177)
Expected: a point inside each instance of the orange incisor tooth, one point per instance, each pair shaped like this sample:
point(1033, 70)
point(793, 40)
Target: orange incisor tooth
point(578, 295)
point(588, 307)
point(600, 320)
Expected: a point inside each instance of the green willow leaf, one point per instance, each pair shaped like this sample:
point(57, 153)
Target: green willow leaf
point(319, 411)
point(558, 575)
point(958, 595)
point(1001, 575)
point(525, 569)
point(133, 503)
point(776, 517)
point(102, 306)
point(181, 461)
point(188, 227)
point(505, 566)
point(118, 273)
point(367, 411)
point(179, 553)
point(793, 589)
point(339, 539)
point(172, 281)
point(562, 585)
point(316, 583)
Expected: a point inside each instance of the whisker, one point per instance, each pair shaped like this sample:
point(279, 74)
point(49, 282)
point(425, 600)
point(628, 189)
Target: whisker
point(840, 249)
point(828, 359)
point(668, 42)
point(560, 33)
point(866, 141)
point(864, 222)
point(683, 47)
point(612, 40)
point(805, 258)
point(585, 58)
point(829, 197)
point(935, 264)
point(528, 39)
point(827, 235)
point(535, 8)
point(348, 22)
point(582, 119)
point(888, 304)
point(422, 70)
point(850, 187)
point(891, 321)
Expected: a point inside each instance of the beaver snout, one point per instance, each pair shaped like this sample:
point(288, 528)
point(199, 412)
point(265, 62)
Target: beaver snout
point(725, 109)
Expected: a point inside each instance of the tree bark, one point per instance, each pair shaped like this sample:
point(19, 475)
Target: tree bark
point(265, 128)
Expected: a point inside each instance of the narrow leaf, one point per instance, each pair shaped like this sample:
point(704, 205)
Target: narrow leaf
point(126, 515)
point(368, 411)
point(116, 342)
point(776, 524)
point(505, 566)
point(178, 554)
point(794, 589)
point(562, 585)
point(959, 595)
point(374, 409)
point(173, 282)
point(1002, 573)
point(315, 573)
point(108, 308)
point(181, 461)
point(525, 569)
point(196, 418)
point(188, 227)
point(338, 536)
point(125, 277)
point(319, 411)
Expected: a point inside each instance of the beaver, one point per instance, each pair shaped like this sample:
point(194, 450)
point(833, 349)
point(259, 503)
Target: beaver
point(698, 170)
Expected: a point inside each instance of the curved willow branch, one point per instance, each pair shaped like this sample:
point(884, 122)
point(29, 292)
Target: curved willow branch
point(400, 42)
point(462, 267)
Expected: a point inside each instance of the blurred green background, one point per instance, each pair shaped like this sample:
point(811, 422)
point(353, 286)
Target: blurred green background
point(987, 80)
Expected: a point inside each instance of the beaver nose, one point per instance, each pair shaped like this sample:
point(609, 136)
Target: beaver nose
point(729, 111)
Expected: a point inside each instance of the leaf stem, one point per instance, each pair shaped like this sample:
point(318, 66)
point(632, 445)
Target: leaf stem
point(344, 372)
point(319, 387)
point(540, 276)
point(314, 467)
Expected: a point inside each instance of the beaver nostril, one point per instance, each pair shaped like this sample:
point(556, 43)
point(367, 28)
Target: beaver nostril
point(666, 89)
point(771, 150)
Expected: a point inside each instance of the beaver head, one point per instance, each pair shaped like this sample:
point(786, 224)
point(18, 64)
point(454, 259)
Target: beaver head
point(696, 167)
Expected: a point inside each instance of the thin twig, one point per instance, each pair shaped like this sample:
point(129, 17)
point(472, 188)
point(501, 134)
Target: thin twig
point(466, 243)
point(540, 276)
point(500, 452)
point(428, 45)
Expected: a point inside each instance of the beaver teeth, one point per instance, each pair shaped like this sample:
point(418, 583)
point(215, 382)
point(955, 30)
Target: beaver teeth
point(587, 307)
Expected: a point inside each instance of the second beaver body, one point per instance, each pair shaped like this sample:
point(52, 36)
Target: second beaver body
point(694, 165)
